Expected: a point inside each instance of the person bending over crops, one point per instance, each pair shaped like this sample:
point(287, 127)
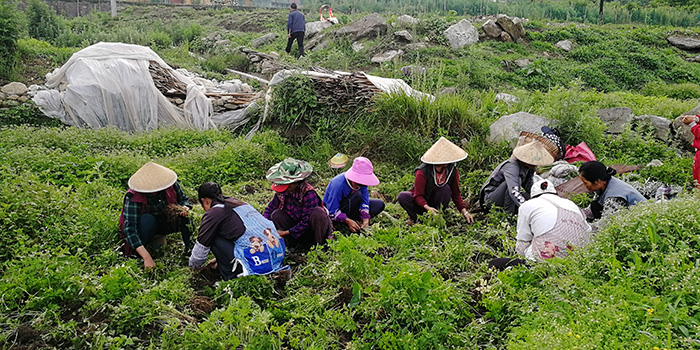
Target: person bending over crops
point(347, 196)
point(692, 121)
point(436, 181)
point(510, 183)
point(611, 194)
point(154, 206)
point(548, 226)
point(225, 222)
point(296, 209)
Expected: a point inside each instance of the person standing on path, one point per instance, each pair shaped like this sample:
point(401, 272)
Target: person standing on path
point(296, 28)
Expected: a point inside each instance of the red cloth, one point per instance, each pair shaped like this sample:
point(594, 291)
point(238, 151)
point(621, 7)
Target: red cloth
point(696, 163)
point(579, 153)
point(419, 190)
point(696, 169)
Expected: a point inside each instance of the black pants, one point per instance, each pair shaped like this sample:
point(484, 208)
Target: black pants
point(351, 205)
point(299, 36)
point(502, 263)
point(223, 252)
point(150, 226)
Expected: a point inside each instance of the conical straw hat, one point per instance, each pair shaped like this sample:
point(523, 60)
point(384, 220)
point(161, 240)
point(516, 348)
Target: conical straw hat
point(338, 161)
point(531, 149)
point(443, 152)
point(152, 177)
point(548, 144)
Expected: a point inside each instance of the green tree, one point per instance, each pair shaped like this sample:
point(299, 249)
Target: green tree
point(9, 33)
point(43, 23)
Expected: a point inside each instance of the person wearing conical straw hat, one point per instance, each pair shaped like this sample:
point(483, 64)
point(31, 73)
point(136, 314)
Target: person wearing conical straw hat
point(154, 206)
point(510, 183)
point(436, 182)
point(296, 209)
point(347, 196)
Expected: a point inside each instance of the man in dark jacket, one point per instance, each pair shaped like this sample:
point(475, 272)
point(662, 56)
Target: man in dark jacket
point(296, 27)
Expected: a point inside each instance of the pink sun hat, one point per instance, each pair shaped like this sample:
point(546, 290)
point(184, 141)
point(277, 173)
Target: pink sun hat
point(362, 172)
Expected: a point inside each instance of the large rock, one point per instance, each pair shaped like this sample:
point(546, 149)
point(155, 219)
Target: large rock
point(403, 36)
point(508, 127)
point(369, 26)
point(565, 45)
point(615, 118)
point(492, 29)
point(319, 42)
point(461, 34)
point(684, 43)
point(507, 98)
point(14, 88)
point(412, 71)
point(387, 56)
point(513, 27)
point(316, 41)
point(313, 28)
point(682, 132)
point(505, 37)
point(522, 62)
point(265, 39)
point(406, 21)
point(660, 125)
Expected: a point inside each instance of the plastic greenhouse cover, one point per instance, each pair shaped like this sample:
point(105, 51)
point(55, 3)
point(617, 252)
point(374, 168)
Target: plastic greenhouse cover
point(109, 84)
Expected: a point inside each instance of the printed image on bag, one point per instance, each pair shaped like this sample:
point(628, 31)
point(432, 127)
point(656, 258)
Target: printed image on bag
point(260, 250)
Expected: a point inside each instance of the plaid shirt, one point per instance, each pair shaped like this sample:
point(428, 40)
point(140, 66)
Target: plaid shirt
point(297, 207)
point(156, 206)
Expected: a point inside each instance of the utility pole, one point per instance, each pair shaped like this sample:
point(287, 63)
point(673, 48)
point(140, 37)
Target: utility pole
point(113, 5)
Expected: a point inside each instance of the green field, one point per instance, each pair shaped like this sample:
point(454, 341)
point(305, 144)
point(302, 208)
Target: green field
point(65, 283)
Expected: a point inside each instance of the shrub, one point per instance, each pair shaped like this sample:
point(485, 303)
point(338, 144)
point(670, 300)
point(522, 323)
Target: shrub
point(27, 114)
point(159, 40)
point(295, 102)
point(683, 91)
point(42, 22)
point(9, 34)
point(221, 62)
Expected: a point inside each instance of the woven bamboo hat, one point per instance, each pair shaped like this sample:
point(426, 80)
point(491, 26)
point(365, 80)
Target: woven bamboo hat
point(152, 177)
point(534, 149)
point(338, 161)
point(443, 152)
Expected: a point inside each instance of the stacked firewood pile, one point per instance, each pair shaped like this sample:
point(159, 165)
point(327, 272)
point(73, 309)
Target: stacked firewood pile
point(176, 91)
point(232, 101)
point(344, 93)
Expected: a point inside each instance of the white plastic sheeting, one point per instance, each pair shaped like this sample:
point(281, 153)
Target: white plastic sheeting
point(393, 86)
point(109, 84)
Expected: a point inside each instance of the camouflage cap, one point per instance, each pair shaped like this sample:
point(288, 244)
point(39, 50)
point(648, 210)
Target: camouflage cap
point(289, 171)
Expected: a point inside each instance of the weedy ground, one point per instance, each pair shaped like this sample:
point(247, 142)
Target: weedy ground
point(65, 283)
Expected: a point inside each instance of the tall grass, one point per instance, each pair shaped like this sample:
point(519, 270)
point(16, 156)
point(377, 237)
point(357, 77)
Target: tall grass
point(572, 10)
